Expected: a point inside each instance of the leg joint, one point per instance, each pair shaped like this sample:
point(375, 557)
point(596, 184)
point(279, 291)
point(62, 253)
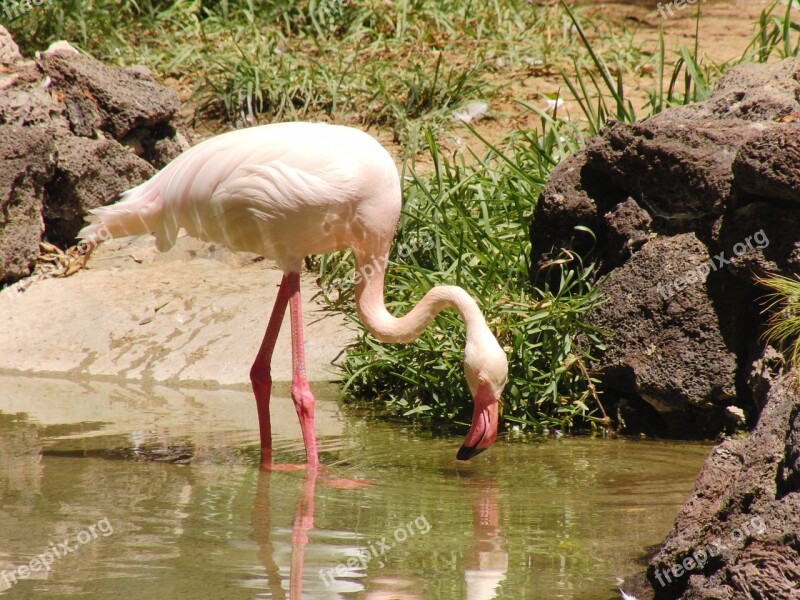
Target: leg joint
point(260, 373)
point(302, 394)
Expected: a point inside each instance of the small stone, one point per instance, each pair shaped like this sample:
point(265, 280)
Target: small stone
point(474, 111)
point(9, 51)
point(735, 414)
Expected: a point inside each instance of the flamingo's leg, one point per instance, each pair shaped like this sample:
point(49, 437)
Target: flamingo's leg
point(260, 372)
point(301, 392)
point(261, 520)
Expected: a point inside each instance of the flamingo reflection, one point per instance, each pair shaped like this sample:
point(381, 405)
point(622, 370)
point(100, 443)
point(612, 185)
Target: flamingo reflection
point(303, 523)
point(485, 559)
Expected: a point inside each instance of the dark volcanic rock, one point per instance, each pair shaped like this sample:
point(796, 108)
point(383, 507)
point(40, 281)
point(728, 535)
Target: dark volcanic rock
point(765, 369)
point(628, 227)
point(677, 166)
point(726, 173)
point(738, 536)
point(756, 93)
point(26, 164)
point(9, 52)
point(666, 343)
point(111, 99)
point(766, 165)
point(87, 173)
point(563, 204)
point(719, 182)
point(22, 103)
point(74, 133)
point(758, 239)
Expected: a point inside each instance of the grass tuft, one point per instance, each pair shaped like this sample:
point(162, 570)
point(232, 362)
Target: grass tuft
point(778, 33)
point(783, 323)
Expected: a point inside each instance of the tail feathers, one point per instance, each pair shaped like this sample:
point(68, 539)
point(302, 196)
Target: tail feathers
point(139, 211)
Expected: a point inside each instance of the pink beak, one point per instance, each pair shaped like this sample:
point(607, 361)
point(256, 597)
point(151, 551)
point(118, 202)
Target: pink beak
point(484, 424)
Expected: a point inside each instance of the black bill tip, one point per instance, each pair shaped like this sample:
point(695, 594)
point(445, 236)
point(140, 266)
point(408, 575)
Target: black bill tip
point(467, 452)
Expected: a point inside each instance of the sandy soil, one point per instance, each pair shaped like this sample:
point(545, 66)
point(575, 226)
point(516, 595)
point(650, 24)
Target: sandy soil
point(726, 28)
point(192, 316)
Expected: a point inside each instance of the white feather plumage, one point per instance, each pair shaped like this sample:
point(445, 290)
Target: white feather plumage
point(283, 191)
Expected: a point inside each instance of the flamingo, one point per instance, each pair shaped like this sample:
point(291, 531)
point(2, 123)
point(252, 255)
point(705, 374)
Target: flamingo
point(286, 191)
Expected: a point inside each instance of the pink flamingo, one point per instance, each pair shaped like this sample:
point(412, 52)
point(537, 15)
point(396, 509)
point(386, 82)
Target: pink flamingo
point(286, 191)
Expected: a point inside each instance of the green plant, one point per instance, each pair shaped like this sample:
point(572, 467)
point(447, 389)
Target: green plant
point(783, 323)
point(601, 96)
point(776, 33)
point(403, 66)
point(601, 90)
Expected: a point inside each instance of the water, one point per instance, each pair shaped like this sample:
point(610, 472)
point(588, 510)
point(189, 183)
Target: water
point(157, 494)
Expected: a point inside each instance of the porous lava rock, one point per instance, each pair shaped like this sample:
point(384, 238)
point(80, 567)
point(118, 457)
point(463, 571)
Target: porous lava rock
point(74, 134)
point(738, 535)
point(686, 208)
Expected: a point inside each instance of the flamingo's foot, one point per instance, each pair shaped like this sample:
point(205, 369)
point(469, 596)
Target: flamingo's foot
point(325, 476)
point(268, 465)
point(345, 483)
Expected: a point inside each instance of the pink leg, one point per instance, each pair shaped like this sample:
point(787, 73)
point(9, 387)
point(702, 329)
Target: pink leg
point(301, 392)
point(260, 373)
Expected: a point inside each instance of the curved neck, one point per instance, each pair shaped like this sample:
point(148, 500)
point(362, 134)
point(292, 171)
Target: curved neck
point(388, 328)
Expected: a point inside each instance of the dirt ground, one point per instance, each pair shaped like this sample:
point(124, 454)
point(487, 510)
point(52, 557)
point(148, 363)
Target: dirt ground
point(726, 28)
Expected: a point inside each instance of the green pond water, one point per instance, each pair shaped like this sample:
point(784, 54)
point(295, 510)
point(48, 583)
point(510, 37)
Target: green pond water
point(134, 492)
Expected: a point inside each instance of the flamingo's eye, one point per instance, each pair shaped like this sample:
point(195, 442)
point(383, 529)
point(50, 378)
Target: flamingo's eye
point(481, 380)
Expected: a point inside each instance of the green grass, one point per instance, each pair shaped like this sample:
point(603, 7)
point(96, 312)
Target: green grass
point(783, 322)
point(403, 66)
point(249, 61)
point(778, 33)
point(477, 212)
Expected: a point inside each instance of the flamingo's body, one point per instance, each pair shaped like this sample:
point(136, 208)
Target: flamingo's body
point(285, 191)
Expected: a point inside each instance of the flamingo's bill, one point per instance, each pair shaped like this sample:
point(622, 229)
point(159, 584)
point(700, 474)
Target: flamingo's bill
point(484, 424)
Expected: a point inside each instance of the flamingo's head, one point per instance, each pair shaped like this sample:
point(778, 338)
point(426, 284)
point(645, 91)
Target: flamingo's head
point(486, 370)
